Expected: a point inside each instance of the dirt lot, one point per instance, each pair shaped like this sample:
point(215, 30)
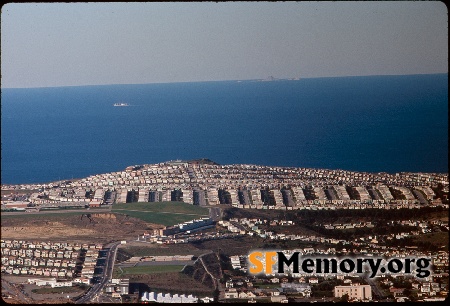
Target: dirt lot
point(25, 290)
point(135, 248)
point(230, 247)
point(99, 228)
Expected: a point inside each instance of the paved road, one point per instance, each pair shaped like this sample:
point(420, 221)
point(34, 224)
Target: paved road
point(159, 212)
point(373, 194)
point(238, 225)
point(420, 197)
point(201, 197)
point(215, 213)
point(246, 197)
point(331, 194)
point(59, 211)
point(97, 288)
point(12, 290)
point(288, 194)
point(375, 289)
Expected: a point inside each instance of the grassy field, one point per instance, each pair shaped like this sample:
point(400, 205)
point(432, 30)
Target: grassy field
point(149, 269)
point(169, 207)
point(165, 213)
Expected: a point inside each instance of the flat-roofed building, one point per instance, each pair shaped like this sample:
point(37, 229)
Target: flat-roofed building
point(234, 196)
point(122, 195)
point(188, 196)
point(354, 291)
point(341, 192)
point(143, 195)
point(298, 194)
point(278, 197)
point(166, 195)
point(213, 196)
point(256, 196)
point(363, 193)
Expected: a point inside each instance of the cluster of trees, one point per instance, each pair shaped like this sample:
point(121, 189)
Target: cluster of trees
point(325, 288)
point(440, 193)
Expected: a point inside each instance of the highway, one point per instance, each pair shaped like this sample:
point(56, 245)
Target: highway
point(97, 288)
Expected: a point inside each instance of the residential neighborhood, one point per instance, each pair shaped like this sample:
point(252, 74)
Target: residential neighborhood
point(242, 186)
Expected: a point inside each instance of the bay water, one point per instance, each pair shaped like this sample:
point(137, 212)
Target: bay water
point(371, 124)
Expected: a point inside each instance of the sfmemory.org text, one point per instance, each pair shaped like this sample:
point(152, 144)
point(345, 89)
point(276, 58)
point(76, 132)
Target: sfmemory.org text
point(278, 262)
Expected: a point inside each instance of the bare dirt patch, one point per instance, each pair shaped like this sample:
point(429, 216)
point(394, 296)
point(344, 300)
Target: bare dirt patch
point(146, 249)
point(96, 227)
point(229, 247)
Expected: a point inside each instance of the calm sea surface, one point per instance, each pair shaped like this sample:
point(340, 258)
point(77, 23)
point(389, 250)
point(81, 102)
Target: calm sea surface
point(372, 124)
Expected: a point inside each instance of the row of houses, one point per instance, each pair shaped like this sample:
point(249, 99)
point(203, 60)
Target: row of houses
point(235, 178)
point(36, 253)
point(90, 261)
point(175, 298)
point(253, 175)
point(56, 272)
point(53, 259)
point(42, 245)
point(40, 258)
point(367, 224)
point(291, 197)
point(20, 261)
point(185, 174)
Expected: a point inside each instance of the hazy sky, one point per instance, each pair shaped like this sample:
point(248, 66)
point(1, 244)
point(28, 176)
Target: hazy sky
point(61, 44)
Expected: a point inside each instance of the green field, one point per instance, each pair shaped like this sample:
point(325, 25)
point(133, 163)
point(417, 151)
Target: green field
point(149, 269)
point(165, 213)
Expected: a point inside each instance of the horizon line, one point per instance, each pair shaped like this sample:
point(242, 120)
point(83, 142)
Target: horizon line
point(235, 80)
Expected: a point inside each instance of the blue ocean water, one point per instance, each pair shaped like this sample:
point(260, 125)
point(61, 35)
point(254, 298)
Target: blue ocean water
point(372, 124)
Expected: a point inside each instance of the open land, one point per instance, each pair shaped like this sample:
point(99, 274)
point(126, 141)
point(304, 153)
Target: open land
point(149, 269)
point(126, 221)
point(165, 213)
point(100, 228)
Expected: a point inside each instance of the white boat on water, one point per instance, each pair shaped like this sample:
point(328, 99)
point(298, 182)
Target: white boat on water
point(121, 104)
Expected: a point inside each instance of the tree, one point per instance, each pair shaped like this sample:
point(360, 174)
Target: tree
point(344, 298)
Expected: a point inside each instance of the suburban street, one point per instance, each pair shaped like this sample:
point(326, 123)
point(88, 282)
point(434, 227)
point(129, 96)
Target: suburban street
point(97, 288)
point(375, 289)
point(215, 213)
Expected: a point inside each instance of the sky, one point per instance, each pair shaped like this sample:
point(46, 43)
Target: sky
point(72, 44)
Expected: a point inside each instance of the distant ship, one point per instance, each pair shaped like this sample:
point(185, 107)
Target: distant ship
point(121, 104)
